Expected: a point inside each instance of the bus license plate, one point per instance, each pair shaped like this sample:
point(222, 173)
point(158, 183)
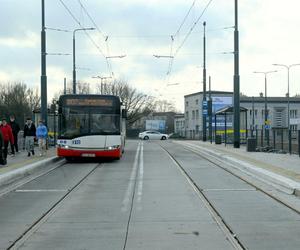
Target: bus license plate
point(88, 155)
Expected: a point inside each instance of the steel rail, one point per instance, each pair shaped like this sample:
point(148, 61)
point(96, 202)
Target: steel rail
point(271, 195)
point(16, 244)
point(227, 231)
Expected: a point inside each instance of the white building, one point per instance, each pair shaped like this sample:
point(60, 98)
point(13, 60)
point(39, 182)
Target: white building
point(277, 110)
point(179, 125)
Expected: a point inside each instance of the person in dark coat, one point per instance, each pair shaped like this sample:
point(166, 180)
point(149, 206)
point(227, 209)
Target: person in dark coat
point(29, 135)
point(15, 130)
point(2, 161)
point(7, 137)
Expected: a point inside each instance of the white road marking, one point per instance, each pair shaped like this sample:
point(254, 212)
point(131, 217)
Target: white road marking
point(127, 197)
point(40, 190)
point(141, 177)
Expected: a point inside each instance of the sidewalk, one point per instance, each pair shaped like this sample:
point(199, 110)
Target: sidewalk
point(17, 165)
point(281, 169)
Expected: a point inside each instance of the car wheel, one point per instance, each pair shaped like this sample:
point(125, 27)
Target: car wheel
point(146, 138)
point(163, 138)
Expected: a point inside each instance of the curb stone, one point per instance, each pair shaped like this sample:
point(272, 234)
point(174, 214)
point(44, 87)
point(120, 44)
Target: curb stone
point(279, 182)
point(12, 176)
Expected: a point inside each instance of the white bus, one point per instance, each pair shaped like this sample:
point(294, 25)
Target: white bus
point(91, 126)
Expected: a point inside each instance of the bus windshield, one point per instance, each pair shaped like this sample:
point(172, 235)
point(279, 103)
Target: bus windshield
point(80, 121)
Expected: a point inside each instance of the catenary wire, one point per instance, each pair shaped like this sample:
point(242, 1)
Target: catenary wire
point(86, 33)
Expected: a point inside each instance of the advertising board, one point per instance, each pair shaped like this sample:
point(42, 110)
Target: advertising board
point(158, 125)
point(219, 102)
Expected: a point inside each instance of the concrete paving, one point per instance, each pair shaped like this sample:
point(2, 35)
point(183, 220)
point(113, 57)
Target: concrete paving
point(265, 170)
point(143, 195)
point(144, 201)
point(259, 221)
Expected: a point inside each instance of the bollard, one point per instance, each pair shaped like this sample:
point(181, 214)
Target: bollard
point(262, 137)
point(299, 142)
point(274, 139)
point(281, 139)
point(290, 141)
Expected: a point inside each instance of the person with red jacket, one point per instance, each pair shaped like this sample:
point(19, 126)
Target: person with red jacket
point(7, 137)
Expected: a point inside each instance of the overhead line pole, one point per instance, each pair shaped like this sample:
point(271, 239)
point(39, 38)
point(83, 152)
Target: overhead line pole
point(204, 87)
point(236, 94)
point(43, 69)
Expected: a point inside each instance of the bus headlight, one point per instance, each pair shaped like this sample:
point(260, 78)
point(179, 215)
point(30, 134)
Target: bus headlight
point(112, 147)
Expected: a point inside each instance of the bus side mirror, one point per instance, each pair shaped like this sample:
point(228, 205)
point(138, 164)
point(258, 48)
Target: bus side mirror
point(124, 113)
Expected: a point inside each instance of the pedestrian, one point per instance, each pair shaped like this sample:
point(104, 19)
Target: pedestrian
point(29, 135)
point(2, 161)
point(42, 134)
point(7, 138)
point(15, 130)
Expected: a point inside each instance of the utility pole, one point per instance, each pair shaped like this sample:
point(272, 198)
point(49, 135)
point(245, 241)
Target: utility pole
point(288, 67)
point(102, 78)
point(236, 91)
point(43, 69)
point(65, 86)
point(267, 123)
point(210, 111)
point(252, 130)
point(74, 57)
point(204, 102)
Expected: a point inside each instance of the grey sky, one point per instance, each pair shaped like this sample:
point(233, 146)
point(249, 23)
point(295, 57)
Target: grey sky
point(139, 29)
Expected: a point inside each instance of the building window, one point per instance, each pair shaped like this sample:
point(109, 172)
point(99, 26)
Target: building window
point(197, 102)
point(197, 114)
point(193, 114)
point(293, 113)
point(293, 127)
point(187, 115)
point(186, 103)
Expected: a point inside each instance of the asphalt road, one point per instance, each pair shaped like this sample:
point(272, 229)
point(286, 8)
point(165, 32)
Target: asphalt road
point(145, 201)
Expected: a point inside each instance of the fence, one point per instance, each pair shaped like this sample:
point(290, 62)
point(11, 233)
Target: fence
point(278, 139)
point(283, 140)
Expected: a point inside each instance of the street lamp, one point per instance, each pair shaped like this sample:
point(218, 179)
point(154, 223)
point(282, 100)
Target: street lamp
point(121, 56)
point(266, 105)
point(159, 56)
point(74, 67)
point(102, 78)
point(173, 84)
point(288, 93)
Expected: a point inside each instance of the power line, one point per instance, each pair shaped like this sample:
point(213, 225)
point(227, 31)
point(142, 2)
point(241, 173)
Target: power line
point(108, 63)
point(86, 33)
point(92, 20)
point(185, 18)
point(192, 28)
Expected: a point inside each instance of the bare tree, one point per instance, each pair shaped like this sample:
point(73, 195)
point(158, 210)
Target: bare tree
point(164, 106)
point(17, 99)
point(136, 103)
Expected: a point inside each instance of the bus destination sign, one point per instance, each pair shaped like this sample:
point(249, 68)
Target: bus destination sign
point(89, 102)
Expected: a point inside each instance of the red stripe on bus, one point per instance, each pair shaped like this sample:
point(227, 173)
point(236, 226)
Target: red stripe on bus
point(62, 152)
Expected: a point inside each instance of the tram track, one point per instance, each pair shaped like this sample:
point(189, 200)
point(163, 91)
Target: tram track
point(226, 229)
point(22, 181)
point(19, 241)
point(269, 194)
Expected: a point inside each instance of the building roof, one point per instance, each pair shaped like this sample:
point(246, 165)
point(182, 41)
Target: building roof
point(269, 99)
point(212, 92)
point(257, 99)
point(229, 109)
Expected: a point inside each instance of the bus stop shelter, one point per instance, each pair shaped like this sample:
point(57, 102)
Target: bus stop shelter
point(227, 114)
